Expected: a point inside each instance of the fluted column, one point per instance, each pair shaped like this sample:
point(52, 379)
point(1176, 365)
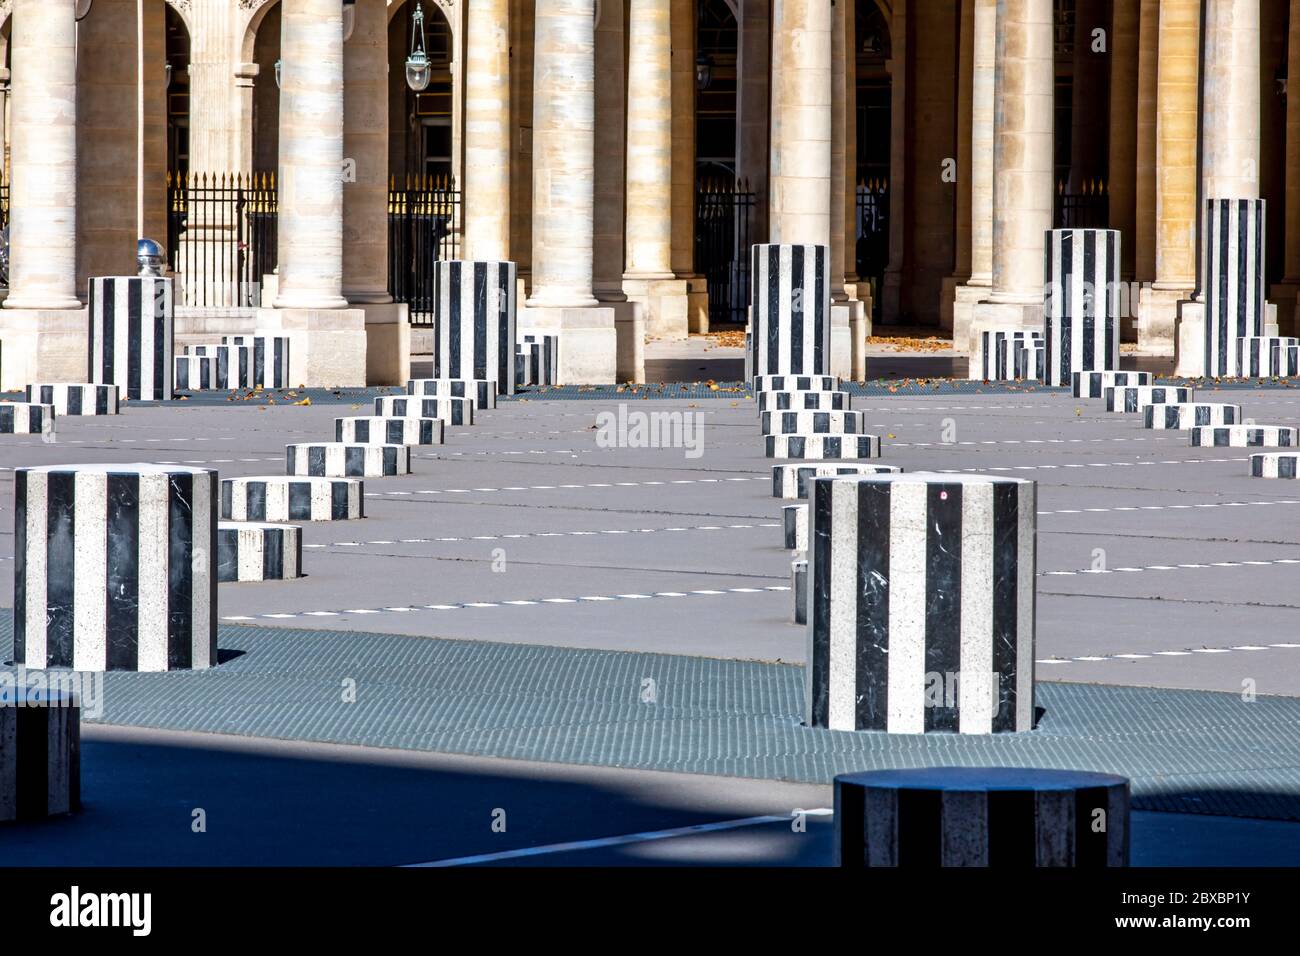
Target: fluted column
point(487, 130)
point(563, 153)
point(1230, 119)
point(801, 127)
point(1144, 231)
point(984, 19)
point(365, 145)
point(311, 156)
point(43, 197)
point(649, 140)
point(1121, 175)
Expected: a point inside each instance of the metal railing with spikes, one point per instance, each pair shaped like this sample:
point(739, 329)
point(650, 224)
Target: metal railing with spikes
point(221, 237)
point(424, 225)
point(1088, 208)
point(724, 232)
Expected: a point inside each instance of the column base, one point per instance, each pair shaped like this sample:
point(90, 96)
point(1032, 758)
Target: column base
point(1189, 355)
point(327, 347)
point(697, 304)
point(849, 330)
point(666, 305)
point(388, 342)
point(1000, 315)
point(964, 300)
point(1157, 320)
point(629, 334)
point(588, 340)
point(43, 345)
point(947, 298)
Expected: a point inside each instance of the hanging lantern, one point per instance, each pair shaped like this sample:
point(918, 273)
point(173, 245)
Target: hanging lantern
point(703, 71)
point(418, 69)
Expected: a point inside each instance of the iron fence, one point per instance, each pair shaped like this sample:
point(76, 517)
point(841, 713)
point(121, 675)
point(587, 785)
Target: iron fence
point(872, 231)
point(1089, 208)
point(724, 232)
point(424, 225)
point(221, 237)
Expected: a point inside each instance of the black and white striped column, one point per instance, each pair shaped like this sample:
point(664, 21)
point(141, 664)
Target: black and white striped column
point(373, 430)
point(282, 498)
point(40, 753)
point(1134, 398)
point(790, 310)
point(537, 360)
point(1094, 384)
point(803, 401)
point(799, 585)
point(1232, 279)
point(997, 359)
point(1245, 436)
point(115, 567)
point(795, 383)
point(131, 328)
point(791, 481)
point(1030, 361)
point(215, 367)
point(1280, 464)
point(453, 411)
point(69, 399)
point(334, 459)
point(821, 447)
point(474, 317)
point(812, 423)
point(1190, 415)
point(270, 357)
point(1268, 356)
point(794, 527)
point(922, 610)
point(1081, 302)
point(482, 390)
point(258, 552)
point(1001, 817)
point(26, 418)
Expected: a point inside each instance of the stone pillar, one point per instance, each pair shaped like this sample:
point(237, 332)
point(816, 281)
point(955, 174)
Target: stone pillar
point(564, 105)
point(976, 289)
point(1024, 81)
point(365, 197)
point(1230, 101)
point(1176, 175)
point(1144, 188)
point(1290, 285)
point(965, 79)
point(327, 339)
point(487, 131)
point(801, 134)
point(1121, 177)
point(649, 278)
point(43, 327)
point(752, 106)
point(219, 141)
point(683, 56)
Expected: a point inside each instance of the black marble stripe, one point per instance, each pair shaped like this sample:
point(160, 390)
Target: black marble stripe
point(180, 570)
point(1012, 823)
point(60, 567)
point(1006, 601)
point(1091, 827)
point(873, 577)
point(32, 759)
point(122, 610)
point(20, 565)
point(943, 558)
point(920, 828)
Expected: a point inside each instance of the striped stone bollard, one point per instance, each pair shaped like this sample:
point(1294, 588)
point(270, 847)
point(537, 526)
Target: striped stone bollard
point(1280, 464)
point(1002, 817)
point(812, 423)
point(258, 552)
point(373, 430)
point(474, 322)
point(791, 481)
point(537, 360)
point(453, 411)
point(115, 567)
point(799, 585)
point(794, 527)
point(1232, 264)
point(131, 329)
point(1267, 356)
point(997, 358)
point(1134, 398)
point(215, 367)
point(336, 459)
point(69, 399)
point(795, 383)
point(1245, 436)
point(482, 390)
point(1081, 302)
point(26, 418)
point(790, 310)
point(921, 616)
point(1190, 415)
point(821, 447)
point(1031, 361)
point(282, 498)
point(270, 357)
point(1094, 384)
point(40, 753)
point(803, 401)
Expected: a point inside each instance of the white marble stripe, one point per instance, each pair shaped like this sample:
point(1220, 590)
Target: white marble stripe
point(154, 571)
point(89, 622)
point(975, 688)
point(842, 652)
point(907, 600)
point(203, 569)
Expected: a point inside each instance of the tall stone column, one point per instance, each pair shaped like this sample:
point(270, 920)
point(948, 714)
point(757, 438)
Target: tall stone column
point(564, 108)
point(649, 278)
point(365, 197)
point(487, 130)
point(977, 287)
point(217, 137)
point(1230, 98)
point(1176, 175)
point(1144, 187)
point(962, 238)
point(1289, 288)
point(753, 110)
point(801, 135)
point(327, 339)
point(43, 325)
point(1024, 81)
point(1122, 164)
point(684, 92)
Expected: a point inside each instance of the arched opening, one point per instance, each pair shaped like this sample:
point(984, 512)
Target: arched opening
point(266, 92)
point(874, 49)
point(422, 139)
point(178, 93)
point(717, 42)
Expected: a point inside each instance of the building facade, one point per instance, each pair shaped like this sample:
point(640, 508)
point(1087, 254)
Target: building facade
point(626, 153)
